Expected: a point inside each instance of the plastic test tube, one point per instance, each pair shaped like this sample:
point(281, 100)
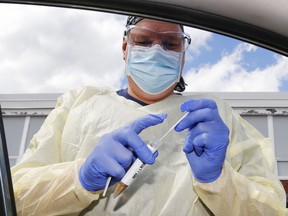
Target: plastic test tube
point(136, 167)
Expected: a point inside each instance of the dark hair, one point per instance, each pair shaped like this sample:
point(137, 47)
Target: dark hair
point(180, 87)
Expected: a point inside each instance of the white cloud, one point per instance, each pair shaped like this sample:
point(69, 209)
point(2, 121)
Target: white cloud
point(55, 49)
point(229, 74)
point(46, 49)
point(199, 40)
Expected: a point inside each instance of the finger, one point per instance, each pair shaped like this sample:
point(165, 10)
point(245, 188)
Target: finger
point(194, 144)
point(131, 139)
point(199, 129)
point(198, 150)
point(155, 154)
point(107, 166)
point(188, 146)
point(126, 157)
point(192, 105)
point(211, 142)
point(212, 134)
point(116, 150)
point(193, 118)
point(123, 156)
point(200, 143)
point(147, 121)
point(203, 127)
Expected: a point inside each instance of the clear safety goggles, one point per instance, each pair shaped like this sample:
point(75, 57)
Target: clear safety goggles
point(170, 40)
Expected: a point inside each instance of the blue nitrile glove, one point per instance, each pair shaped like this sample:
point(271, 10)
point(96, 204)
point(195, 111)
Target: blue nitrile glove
point(207, 138)
point(115, 152)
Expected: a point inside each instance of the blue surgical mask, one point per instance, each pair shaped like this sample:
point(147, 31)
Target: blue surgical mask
point(153, 69)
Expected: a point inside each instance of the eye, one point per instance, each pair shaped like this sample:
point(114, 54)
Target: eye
point(172, 44)
point(142, 41)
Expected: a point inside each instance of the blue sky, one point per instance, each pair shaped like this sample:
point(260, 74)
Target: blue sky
point(223, 44)
point(45, 49)
point(253, 61)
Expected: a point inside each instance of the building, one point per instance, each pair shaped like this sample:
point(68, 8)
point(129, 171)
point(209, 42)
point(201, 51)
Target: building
point(268, 112)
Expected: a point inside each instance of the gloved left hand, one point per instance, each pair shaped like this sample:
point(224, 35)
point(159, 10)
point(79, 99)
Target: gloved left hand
point(115, 151)
point(207, 139)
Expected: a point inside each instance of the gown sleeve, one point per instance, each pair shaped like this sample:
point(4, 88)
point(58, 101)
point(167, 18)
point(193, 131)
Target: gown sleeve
point(43, 183)
point(248, 184)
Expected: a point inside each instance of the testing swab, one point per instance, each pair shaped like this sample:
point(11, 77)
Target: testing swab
point(136, 167)
point(106, 186)
point(174, 126)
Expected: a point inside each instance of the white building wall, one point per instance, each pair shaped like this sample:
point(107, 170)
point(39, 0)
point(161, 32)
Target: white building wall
point(268, 112)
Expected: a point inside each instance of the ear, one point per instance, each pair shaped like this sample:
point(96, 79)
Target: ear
point(124, 48)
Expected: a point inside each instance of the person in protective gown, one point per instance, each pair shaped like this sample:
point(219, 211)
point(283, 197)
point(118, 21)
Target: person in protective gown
point(212, 163)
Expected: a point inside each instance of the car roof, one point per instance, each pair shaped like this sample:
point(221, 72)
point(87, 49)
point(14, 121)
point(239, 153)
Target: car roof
point(261, 22)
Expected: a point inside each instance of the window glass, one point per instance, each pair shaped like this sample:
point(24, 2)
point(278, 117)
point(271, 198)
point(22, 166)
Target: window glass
point(47, 49)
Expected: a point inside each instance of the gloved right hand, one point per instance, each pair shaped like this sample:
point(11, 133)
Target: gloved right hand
point(115, 153)
point(207, 138)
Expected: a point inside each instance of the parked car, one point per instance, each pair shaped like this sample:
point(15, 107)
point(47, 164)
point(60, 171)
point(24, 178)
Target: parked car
point(263, 23)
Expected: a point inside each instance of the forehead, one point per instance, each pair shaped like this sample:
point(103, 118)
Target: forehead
point(159, 26)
